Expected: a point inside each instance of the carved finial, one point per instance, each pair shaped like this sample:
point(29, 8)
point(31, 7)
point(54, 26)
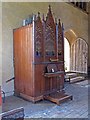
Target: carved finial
point(38, 17)
point(62, 27)
point(46, 18)
point(38, 14)
point(56, 20)
point(35, 17)
point(49, 8)
point(43, 17)
point(59, 21)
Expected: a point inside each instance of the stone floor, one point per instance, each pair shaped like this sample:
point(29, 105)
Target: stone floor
point(76, 108)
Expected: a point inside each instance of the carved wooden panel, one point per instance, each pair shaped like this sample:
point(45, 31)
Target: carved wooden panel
point(59, 39)
point(50, 35)
point(38, 36)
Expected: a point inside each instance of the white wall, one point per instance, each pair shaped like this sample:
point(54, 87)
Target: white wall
point(0, 48)
point(89, 34)
point(0, 43)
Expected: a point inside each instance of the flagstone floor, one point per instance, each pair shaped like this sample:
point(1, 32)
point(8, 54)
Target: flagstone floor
point(76, 108)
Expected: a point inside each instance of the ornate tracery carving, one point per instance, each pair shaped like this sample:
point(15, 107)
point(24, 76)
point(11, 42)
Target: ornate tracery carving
point(38, 36)
point(49, 34)
point(59, 38)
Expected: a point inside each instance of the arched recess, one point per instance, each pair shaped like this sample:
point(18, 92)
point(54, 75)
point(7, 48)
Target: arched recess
point(79, 56)
point(66, 54)
point(71, 36)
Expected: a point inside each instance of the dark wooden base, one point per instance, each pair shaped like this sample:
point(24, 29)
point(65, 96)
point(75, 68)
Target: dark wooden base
point(29, 98)
point(58, 97)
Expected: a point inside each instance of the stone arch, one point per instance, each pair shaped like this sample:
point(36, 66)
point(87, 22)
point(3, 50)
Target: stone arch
point(71, 35)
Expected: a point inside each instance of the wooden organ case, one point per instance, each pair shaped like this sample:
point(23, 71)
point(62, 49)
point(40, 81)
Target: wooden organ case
point(39, 60)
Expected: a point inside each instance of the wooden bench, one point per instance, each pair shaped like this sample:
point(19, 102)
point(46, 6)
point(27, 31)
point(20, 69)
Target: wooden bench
point(15, 114)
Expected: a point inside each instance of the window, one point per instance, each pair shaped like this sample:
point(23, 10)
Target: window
point(81, 5)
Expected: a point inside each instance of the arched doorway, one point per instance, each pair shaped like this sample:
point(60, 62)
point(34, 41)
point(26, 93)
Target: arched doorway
point(79, 56)
point(66, 55)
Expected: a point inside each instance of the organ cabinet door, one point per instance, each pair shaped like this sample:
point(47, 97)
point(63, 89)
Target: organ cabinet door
point(27, 58)
point(23, 59)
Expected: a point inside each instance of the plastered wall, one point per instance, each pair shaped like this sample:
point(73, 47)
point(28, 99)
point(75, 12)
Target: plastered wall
point(0, 48)
point(0, 43)
point(89, 34)
point(12, 16)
